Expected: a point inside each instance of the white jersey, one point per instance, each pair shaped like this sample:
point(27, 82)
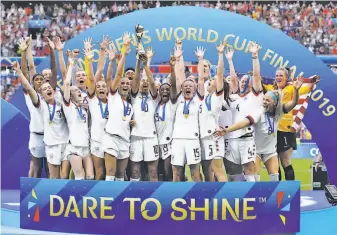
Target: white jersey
point(99, 116)
point(209, 114)
point(77, 120)
point(144, 109)
point(164, 120)
point(241, 107)
point(55, 124)
point(186, 126)
point(35, 124)
point(225, 119)
point(85, 96)
point(266, 130)
point(120, 115)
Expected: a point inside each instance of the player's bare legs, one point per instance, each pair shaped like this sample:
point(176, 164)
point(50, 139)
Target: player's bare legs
point(168, 175)
point(249, 169)
point(135, 171)
point(272, 166)
point(153, 170)
point(77, 167)
point(258, 164)
point(46, 168)
point(35, 167)
point(89, 168)
point(234, 171)
point(54, 171)
point(195, 172)
point(110, 167)
point(285, 159)
point(65, 169)
point(121, 168)
point(207, 170)
point(178, 173)
point(219, 170)
point(99, 167)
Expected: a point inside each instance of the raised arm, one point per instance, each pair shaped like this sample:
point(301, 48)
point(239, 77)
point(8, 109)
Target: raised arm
point(174, 91)
point(149, 55)
point(201, 70)
point(67, 81)
point(149, 76)
point(179, 66)
point(120, 67)
point(101, 59)
point(26, 84)
point(32, 69)
point(23, 45)
point(59, 47)
point(291, 104)
point(89, 54)
point(234, 79)
point(237, 126)
point(53, 79)
point(221, 66)
point(112, 55)
point(257, 80)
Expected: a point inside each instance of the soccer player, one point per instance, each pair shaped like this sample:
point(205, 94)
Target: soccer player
point(286, 141)
point(36, 144)
point(144, 141)
point(241, 143)
point(164, 119)
point(116, 139)
point(266, 121)
point(56, 131)
point(77, 150)
point(185, 138)
point(209, 115)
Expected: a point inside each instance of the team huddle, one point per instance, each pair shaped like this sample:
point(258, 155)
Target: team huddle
point(131, 128)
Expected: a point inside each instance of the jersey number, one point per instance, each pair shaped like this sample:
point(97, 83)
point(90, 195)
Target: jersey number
point(146, 108)
point(129, 111)
point(156, 150)
point(59, 113)
point(226, 143)
point(200, 109)
point(165, 149)
point(156, 117)
point(210, 150)
point(196, 154)
point(238, 108)
point(251, 152)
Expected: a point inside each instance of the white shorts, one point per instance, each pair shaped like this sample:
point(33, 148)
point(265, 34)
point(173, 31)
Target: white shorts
point(185, 151)
point(55, 154)
point(96, 149)
point(165, 150)
point(144, 149)
point(76, 150)
point(36, 145)
point(212, 148)
point(266, 156)
point(115, 146)
point(242, 150)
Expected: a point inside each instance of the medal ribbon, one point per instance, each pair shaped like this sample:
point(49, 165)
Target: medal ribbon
point(51, 116)
point(144, 101)
point(79, 110)
point(162, 117)
point(187, 107)
point(271, 125)
point(208, 102)
point(126, 108)
point(101, 107)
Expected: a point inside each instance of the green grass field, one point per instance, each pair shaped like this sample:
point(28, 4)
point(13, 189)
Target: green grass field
point(302, 169)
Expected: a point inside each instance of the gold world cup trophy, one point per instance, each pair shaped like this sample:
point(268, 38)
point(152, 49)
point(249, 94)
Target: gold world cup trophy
point(139, 34)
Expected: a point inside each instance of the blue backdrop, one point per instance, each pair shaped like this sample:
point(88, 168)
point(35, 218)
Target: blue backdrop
point(205, 27)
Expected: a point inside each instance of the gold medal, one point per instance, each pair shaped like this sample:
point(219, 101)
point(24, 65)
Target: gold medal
point(50, 123)
point(163, 122)
point(124, 118)
point(185, 115)
point(274, 134)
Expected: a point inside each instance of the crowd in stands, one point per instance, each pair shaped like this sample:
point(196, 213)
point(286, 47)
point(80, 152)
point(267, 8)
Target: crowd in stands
point(312, 24)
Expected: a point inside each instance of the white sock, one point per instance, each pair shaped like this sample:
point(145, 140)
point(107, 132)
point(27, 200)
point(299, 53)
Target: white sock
point(274, 177)
point(79, 178)
point(257, 177)
point(119, 179)
point(235, 178)
point(132, 179)
point(109, 178)
point(250, 178)
point(89, 177)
